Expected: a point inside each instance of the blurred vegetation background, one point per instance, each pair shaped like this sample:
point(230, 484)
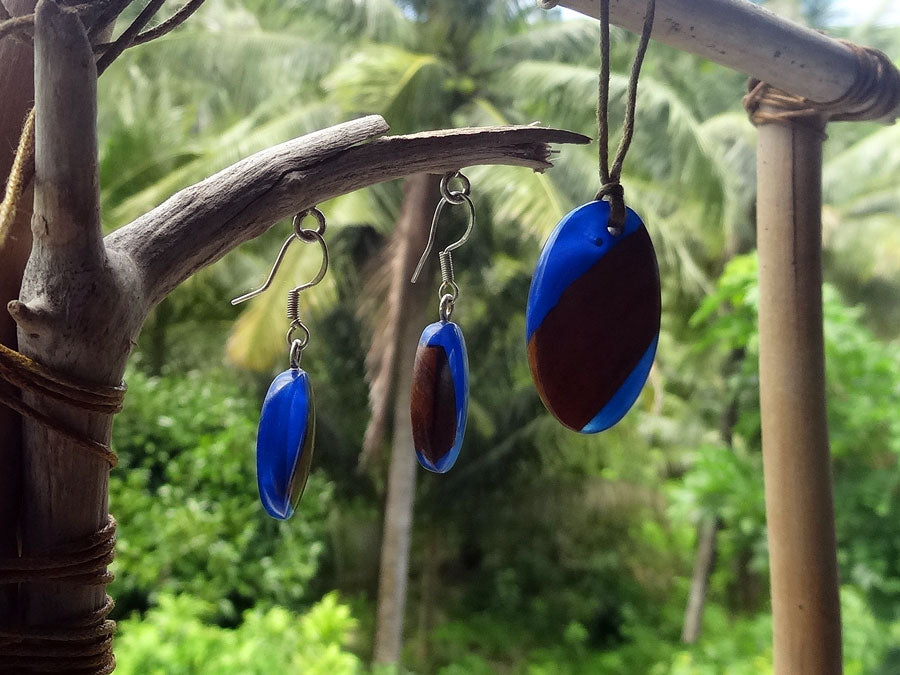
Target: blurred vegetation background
point(542, 551)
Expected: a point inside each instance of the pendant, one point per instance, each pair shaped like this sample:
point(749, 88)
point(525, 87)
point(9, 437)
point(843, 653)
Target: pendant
point(440, 396)
point(592, 321)
point(284, 445)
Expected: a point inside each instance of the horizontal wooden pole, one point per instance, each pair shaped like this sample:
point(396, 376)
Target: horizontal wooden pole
point(745, 37)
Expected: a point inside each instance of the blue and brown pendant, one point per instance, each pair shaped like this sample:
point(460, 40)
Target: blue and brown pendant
point(440, 396)
point(592, 322)
point(284, 445)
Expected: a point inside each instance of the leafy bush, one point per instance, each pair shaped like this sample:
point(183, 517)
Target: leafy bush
point(175, 638)
point(186, 499)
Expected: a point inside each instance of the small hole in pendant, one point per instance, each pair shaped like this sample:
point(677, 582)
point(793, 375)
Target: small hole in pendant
point(599, 241)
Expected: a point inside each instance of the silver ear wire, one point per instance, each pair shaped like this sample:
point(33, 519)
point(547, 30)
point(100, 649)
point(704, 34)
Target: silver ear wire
point(305, 235)
point(293, 301)
point(448, 291)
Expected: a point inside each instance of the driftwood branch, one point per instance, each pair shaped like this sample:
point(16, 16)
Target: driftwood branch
point(71, 299)
point(68, 200)
point(198, 225)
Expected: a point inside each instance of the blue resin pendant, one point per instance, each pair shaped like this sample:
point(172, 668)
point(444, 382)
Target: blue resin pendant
point(284, 445)
point(440, 396)
point(592, 321)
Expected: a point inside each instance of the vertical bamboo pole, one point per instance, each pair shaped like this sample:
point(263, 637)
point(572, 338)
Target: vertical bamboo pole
point(799, 504)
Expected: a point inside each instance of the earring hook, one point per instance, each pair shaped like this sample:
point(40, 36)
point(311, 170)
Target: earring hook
point(448, 197)
point(304, 235)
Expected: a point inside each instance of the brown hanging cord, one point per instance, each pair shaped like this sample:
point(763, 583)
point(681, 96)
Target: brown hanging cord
point(874, 94)
point(610, 176)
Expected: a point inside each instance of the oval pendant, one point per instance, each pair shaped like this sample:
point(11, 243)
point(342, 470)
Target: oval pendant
point(592, 321)
point(440, 396)
point(284, 445)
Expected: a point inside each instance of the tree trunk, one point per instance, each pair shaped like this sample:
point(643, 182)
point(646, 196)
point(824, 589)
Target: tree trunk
point(420, 197)
point(703, 567)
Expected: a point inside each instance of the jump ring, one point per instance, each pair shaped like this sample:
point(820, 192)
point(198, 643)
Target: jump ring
point(302, 341)
point(446, 307)
point(448, 289)
point(455, 196)
point(296, 353)
point(305, 234)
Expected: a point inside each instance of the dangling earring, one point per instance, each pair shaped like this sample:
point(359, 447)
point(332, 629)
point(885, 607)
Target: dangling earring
point(440, 383)
point(593, 315)
point(287, 423)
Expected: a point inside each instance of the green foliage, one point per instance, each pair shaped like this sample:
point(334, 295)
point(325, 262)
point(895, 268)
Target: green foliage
point(176, 638)
point(543, 552)
point(186, 499)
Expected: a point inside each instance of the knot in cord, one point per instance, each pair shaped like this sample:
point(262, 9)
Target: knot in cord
point(615, 194)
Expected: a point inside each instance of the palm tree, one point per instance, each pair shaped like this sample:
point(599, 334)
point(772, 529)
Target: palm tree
point(499, 63)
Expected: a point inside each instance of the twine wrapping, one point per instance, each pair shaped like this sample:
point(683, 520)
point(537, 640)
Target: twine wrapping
point(82, 647)
point(84, 644)
point(874, 94)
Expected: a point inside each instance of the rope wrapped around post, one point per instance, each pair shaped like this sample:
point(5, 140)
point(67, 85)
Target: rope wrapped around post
point(875, 93)
point(83, 645)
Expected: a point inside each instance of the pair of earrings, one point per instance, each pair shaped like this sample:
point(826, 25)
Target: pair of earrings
point(592, 327)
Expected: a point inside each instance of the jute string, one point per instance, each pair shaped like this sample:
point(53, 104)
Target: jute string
point(82, 647)
point(874, 94)
point(20, 175)
point(84, 644)
point(610, 176)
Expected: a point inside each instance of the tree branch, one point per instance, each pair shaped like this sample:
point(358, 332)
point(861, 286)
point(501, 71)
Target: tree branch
point(67, 198)
point(200, 224)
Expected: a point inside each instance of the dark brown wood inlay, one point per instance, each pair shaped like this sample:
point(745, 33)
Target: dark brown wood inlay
point(593, 338)
point(433, 403)
point(302, 467)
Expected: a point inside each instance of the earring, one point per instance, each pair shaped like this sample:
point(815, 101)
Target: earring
point(287, 423)
point(592, 321)
point(440, 383)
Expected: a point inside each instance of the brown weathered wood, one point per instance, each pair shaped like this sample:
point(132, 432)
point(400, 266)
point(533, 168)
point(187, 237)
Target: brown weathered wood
point(70, 282)
point(746, 37)
point(200, 224)
point(796, 460)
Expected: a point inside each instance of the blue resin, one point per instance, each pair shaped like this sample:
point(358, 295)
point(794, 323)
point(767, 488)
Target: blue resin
point(575, 248)
point(287, 418)
point(447, 334)
point(577, 243)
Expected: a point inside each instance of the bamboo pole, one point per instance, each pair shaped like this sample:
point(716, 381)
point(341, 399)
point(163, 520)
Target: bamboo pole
point(747, 38)
point(796, 462)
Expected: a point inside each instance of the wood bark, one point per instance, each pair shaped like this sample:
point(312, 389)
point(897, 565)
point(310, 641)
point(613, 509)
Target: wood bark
point(17, 85)
point(796, 460)
point(73, 299)
point(83, 299)
point(420, 198)
point(747, 38)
